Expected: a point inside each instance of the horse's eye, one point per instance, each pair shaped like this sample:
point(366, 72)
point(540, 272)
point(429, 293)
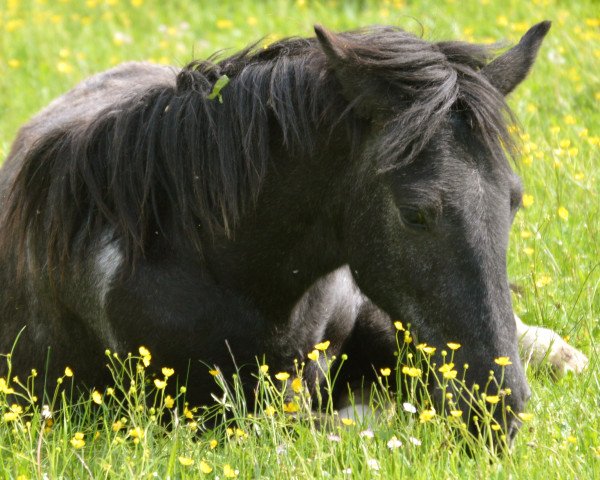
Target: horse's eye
point(414, 218)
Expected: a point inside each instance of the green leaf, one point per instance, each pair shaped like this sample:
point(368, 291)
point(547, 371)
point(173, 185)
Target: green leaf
point(219, 85)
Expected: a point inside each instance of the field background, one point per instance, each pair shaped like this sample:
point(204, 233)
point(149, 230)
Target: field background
point(46, 47)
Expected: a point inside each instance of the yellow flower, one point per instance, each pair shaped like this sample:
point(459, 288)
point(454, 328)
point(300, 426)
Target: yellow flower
point(214, 373)
point(323, 345)
point(229, 472)
point(563, 213)
point(527, 200)
point(290, 407)
point(283, 376)
point(450, 374)
point(137, 3)
point(169, 401)
point(118, 425)
point(411, 371)
point(493, 399)
point(297, 385)
point(213, 444)
point(186, 461)
point(4, 388)
point(13, 414)
point(160, 384)
point(146, 356)
point(385, 372)
point(224, 24)
point(399, 325)
point(77, 441)
point(64, 67)
point(205, 467)
point(97, 397)
point(427, 415)
point(528, 251)
point(348, 422)
point(314, 355)
point(543, 281)
point(426, 348)
point(446, 367)
point(570, 120)
point(264, 369)
point(503, 361)
point(167, 372)
point(68, 372)
point(136, 432)
point(269, 410)
point(526, 417)
point(525, 234)
point(453, 345)
point(456, 413)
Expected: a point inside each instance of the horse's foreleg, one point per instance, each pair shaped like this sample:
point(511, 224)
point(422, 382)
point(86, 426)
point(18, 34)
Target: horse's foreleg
point(539, 345)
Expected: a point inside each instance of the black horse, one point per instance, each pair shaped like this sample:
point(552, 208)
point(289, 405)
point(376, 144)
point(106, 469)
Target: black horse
point(333, 185)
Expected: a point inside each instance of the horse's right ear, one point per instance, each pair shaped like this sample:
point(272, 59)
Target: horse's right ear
point(511, 68)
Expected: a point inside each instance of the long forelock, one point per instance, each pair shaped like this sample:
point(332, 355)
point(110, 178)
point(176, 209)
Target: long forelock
point(448, 78)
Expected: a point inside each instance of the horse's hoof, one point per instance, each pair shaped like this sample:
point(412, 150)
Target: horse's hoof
point(563, 358)
point(541, 346)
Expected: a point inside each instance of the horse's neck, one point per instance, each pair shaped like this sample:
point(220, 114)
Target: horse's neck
point(293, 238)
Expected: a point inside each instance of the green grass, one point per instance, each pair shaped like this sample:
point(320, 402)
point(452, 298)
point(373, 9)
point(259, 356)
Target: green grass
point(46, 47)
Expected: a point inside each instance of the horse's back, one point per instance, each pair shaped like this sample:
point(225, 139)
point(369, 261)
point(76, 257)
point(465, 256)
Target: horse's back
point(85, 102)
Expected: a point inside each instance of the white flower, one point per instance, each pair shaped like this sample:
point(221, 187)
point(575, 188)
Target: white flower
point(415, 441)
point(334, 438)
point(409, 407)
point(373, 464)
point(347, 471)
point(46, 413)
point(394, 443)
point(366, 434)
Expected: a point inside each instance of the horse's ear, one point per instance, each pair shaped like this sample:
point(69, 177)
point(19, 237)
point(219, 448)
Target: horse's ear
point(341, 56)
point(511, 68)
point(330, 45)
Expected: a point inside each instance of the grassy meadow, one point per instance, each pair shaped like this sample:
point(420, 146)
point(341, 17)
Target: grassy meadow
point(47, 46)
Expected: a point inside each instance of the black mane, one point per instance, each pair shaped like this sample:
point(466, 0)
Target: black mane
point(175, 163)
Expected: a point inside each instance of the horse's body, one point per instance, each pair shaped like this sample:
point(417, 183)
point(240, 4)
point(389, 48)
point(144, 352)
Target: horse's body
point(340, 178)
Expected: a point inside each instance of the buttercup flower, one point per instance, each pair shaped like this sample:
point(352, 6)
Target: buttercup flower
point(427, 415)
point(503, 361)
point(97, 397)
point(186, 461)
point(78, 441)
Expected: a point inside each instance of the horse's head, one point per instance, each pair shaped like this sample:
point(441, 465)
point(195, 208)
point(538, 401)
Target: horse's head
point(428, 229)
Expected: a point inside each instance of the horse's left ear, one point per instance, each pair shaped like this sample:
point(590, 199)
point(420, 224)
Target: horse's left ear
point(342, 57)
point(511, 68)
